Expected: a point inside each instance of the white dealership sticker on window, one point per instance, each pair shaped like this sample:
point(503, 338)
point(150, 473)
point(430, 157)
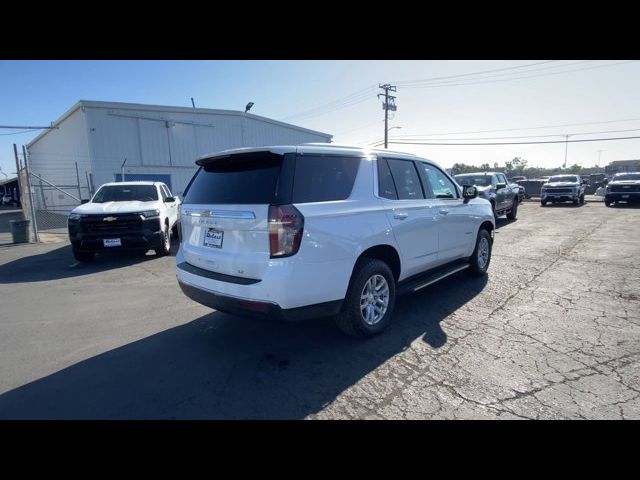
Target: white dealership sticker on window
point(213, 238)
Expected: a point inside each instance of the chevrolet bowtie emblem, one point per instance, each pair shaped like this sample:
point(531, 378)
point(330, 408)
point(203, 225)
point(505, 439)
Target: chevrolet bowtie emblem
point(109, 219)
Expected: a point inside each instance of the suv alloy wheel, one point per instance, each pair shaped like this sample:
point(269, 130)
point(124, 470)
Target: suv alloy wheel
point(370, 299)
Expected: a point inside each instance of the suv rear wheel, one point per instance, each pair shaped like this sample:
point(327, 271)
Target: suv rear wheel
point(481, 257)
point(370, 299)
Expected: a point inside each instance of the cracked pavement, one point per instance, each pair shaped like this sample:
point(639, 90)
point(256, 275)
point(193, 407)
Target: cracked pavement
point(552, 333)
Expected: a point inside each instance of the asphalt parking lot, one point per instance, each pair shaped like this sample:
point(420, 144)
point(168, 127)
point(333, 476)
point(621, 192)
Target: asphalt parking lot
point(553, 333)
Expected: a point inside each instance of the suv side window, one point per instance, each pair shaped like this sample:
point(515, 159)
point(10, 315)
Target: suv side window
point(440, 184)
point(406, 179)
point(166, 190)
point(501, 179)
point(324, 178)
point(386, 187)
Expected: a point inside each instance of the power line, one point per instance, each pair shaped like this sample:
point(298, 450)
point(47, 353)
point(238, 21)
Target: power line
point(357, 97)
point(418, 83)
point(513, 129)
point(515, 143)
point(523, 136)
point(352, 99)
point(411, 83)
point(518, 78)
point(18, 133)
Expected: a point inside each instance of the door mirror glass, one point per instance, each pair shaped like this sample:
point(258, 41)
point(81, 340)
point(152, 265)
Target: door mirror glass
point(469, 192)
point(169, 199)
point(500, 185)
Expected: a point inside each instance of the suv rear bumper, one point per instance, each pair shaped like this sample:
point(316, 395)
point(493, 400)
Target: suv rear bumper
point(250, 308)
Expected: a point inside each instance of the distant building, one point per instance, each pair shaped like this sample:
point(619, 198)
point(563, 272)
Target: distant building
point(623, 166)
point(159, 143)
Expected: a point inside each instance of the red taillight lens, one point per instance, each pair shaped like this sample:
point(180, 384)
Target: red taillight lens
point(285, 230)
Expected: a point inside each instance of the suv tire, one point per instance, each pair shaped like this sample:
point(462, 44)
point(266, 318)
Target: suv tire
point(608, 203)
point(513, 214)
point(164, 248)
point(369, 274)
point(481, 256)
point(83, 256)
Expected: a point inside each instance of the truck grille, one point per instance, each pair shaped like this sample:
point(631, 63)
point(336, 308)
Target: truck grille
point(558, 190)
point(624, 188)
point(116, 223)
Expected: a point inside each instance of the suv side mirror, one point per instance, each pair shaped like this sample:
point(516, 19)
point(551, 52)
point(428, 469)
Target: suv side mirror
point(500, 185)
point(169, 199)
point(469, 192)
point(83, 201)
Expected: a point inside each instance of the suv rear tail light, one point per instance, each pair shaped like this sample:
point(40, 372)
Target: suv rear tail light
point(285, 230)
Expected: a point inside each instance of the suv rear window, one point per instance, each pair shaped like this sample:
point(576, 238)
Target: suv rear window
point(323, 178)
point(242, 178)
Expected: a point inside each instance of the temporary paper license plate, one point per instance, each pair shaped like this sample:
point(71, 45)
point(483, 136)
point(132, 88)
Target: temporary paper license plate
point(213, 238)
point(112, 242)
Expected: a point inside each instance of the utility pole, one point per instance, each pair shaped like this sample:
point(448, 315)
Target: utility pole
point(566, 146)
point(34, 222)
point(598, 165)
point(193, 103)
point(389, 104)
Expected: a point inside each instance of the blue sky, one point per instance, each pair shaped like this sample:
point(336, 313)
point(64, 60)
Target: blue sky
point(38, 92)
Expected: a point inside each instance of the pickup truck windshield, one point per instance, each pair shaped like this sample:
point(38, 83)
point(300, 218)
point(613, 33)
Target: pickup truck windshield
point(564, 178)
point(126, 193)
point(627, 176)
point(480, 180)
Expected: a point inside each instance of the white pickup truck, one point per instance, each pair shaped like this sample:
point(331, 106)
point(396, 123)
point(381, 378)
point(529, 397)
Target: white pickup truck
point(124, 216)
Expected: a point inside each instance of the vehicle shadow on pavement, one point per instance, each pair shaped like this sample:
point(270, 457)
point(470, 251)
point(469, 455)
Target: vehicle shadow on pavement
point(563, 205)
point(225, 367)
point(59, 263)
point(501, 222)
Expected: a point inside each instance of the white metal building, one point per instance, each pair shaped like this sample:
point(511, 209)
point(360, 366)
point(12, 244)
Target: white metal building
point(158, 142)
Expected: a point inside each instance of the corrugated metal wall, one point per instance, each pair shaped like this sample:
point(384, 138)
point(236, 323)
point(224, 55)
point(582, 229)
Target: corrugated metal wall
point(169, 142)
point(53, 158)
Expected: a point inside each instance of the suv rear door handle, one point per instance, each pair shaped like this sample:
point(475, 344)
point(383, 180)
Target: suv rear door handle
point(400, 215)
point(444, 211)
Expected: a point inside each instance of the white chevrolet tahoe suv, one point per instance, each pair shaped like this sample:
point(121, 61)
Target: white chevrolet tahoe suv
point(320, 230)
point(124, 216)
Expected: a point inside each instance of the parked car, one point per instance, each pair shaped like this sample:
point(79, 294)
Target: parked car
point(563, 188)
point(493, 186)
point(124, 216)
point(320, 230)
point(623, 187)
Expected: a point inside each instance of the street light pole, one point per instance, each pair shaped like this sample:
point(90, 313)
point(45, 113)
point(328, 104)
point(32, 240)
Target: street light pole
point(599, 153)
point(566, 146)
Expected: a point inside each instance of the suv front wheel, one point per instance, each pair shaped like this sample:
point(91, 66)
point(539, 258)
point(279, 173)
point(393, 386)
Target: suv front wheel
point(370, 299)
point(165, 246)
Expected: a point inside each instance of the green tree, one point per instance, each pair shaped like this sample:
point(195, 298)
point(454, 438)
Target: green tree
point(575, 168)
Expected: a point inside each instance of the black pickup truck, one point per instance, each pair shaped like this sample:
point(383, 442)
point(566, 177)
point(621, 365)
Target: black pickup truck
point(493, 186)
